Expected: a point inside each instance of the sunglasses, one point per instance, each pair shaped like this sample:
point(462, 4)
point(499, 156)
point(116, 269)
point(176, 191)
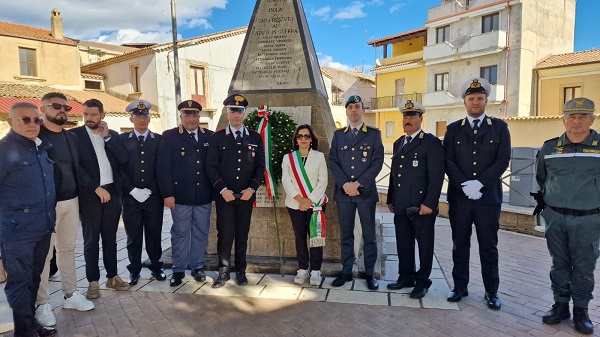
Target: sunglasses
point(28, 120)
point(236, 109)
point(57, 106)
point(305, 137)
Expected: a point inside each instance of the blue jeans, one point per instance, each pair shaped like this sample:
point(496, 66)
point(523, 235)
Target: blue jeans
point(24, 261)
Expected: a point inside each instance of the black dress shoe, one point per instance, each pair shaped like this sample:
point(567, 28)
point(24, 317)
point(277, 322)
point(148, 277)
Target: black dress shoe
point(457, 294)
point(46, 331)
point(418, 292)
point(241, 279)
point(372, 282)
point(176, 279)
point(341, 280)
point(221, 279)
point(558, 313)
point(158, 274)
point(493, 302)
point(581, 321)
point(199, 275)
point(401, 284)
point(133, 278)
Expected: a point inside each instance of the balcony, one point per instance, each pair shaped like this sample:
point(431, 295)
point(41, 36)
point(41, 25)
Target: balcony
point(393, 102)
point(441, 98)
point(466, 47)
point(451, 7)
point(402, 58)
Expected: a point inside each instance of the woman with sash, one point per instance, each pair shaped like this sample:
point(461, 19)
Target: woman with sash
point(304, 178)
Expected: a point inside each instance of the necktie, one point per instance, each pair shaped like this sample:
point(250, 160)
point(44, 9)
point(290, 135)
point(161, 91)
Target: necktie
point(193, 135)
point(141, 139)
point(354, 132)
point(408, 139)
point(475, 125)
point(238, 137)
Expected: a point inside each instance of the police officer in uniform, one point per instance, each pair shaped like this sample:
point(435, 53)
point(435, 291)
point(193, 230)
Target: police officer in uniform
point(568, 170)
point(415, 181)
point(142, 203)
point(355, 158)
point(477, 150)
point(186, 190)
point(235, 166)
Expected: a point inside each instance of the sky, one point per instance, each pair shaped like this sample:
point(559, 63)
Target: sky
point(340, 28)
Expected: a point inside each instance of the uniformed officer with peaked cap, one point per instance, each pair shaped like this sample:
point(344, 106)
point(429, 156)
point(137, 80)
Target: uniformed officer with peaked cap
point(477, 152)
point(416, 179)
point(186, 190)
point(142, 203)
point(355, 159)
point(568, 171)
point(235, 166)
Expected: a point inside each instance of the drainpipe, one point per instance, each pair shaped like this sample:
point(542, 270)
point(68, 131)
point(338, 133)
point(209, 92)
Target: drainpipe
point(506, 66)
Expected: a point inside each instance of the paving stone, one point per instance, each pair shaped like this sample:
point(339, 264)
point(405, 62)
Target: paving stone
point(278, 280)
point(326, 284)
point(403, 300)
point(313, 294)
point(286, 293)
point(357, 297)
point(232, 290)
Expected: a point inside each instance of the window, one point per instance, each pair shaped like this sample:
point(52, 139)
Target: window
point(489, 73)
point(570, 93)
point(27, 62)
point(490, 22)
point(198, 84)
point(135, 78)
point(443, 34)
point(93, 85)
point(441, 82)
point(95, 56)
point(389, 129)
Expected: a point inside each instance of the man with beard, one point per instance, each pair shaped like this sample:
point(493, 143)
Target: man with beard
point(66, 158)
point(477, 150)
point(100, 154)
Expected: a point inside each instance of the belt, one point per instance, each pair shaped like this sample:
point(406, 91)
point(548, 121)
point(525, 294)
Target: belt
point(575, 212)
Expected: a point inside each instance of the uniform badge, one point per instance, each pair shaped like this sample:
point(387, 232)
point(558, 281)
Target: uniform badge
point(364, 153)
point(253, 154)
point(415, 163)
point(364, 160)
point(558, 149)
point(182, 153)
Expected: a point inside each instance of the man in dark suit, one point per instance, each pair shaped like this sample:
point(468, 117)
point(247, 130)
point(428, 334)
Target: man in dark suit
point(186, 190)
point(235, 166)
point(142, 204)
point(415, 182)
point(355, 158)
point(101, 154)
point(477, 151)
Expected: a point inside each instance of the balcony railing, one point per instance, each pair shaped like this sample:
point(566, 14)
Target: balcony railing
point(390, 102)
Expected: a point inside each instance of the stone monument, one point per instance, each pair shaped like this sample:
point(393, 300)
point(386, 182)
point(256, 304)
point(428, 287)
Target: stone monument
point(278, 67)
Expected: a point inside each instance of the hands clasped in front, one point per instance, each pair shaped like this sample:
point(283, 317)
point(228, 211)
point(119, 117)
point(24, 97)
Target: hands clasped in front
point(472, 188)
point(140, 194)
point(351, 188)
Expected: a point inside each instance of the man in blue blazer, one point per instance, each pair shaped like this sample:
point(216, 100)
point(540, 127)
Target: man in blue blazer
point(186, 190)
point(477, 151)
point(355, 158)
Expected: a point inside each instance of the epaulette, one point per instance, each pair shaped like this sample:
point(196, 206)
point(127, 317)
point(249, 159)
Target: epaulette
point(551, 140)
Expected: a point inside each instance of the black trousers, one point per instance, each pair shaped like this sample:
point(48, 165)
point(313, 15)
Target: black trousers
point(301, 226)
point(486, 217)
point(100, 220)
point(233, 224)
point(420, 228)
point(144, 220)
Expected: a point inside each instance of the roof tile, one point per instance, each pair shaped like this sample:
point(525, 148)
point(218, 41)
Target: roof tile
point(569, 59)
point(28, 32)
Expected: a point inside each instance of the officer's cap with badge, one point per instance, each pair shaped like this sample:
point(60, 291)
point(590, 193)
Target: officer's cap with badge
point(189, 107)
point(579, 105)
point(139, 107)
point(354, 99)
point(236, 102)
point(476, 85)
point(411, 108)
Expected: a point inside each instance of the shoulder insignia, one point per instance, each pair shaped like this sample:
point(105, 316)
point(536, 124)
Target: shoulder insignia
point(595, 143)
point(201, 129)
point(421, 135)
point(364, 128)
point(489, 121)
point(346, 129)
point(180, 129)
point(559, 143)
point(463, 122)
point(152, 135)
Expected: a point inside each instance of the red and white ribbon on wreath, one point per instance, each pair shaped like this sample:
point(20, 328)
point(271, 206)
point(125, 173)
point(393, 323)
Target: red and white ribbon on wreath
point(264, 129)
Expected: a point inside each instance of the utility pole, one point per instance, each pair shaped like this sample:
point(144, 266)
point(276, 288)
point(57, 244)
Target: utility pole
point(175, 56)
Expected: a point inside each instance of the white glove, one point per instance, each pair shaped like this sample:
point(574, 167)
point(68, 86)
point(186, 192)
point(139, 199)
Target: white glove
point(475, 196)
point(147, 192)
point(470, 187)
point(139, 194)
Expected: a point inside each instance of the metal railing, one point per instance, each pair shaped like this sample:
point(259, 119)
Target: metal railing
point(388, 102)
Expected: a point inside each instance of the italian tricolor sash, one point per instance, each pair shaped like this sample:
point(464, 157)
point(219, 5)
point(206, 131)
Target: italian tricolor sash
point(317, 220)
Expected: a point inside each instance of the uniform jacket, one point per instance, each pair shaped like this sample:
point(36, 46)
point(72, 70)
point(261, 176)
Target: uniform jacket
point(316, 170)
point(569, 174)
point(483, 157)
point(88, 162)
point(181, 167)
point(140, 170)
point(356, 159)
point(235, 167)
point(27, 191)
point(72, 141)
point(417, 173)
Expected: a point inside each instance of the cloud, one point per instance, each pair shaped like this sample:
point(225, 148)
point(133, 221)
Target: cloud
point(135, 36)
point(327, 61)
point(322, 12)
point(354, 11)
point(397, 7)
point(116, 20)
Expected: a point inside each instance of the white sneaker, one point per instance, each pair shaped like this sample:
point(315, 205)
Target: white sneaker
point(44, 315)
point(315, 278)
point(78, 302)
point(301, 276)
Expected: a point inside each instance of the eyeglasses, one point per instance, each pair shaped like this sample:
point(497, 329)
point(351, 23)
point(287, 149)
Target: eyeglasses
point(57, 106)
point(305, 137)
point(28, 120)
point(236, 109)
